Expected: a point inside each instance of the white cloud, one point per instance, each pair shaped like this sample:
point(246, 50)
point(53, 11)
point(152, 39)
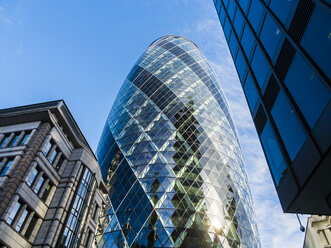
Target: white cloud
point(276, 228)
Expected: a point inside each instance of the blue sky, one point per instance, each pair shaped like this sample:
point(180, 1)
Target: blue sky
point(81, 51)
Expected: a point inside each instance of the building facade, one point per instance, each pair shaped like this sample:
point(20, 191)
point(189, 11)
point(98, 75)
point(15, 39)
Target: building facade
point(318, 232)
point(281, 52)
point(170, 157)
point(50, 181)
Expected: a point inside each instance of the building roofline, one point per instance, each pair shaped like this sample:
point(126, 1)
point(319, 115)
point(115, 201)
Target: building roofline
point(40, 112)
point(173, 36)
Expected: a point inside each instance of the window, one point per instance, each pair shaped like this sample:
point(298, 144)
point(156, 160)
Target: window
point(282, 9)
point(52, 157)
point(317, 38)
point(271, 37)
point(288, 125)
point(218, 6)
point(238, 23)
point(47, 148)
point(273, 153)
point(260, 66)
point(255, 14)
point(59, 163)
point(13, 213)
point(244, 5)
point(4, 141)
point(233, 44)
point(227, 28)
point(46, 192)
point(21, 220)
point(25, 138)
point(32, 177)
point(6, 166)
point(247, 41)
point(31, 226)
point(71, 234)
point(39, 184)
point(231, 9)
point(240, 64)
point(14, 139)
point(308, 91)
point(250, 92)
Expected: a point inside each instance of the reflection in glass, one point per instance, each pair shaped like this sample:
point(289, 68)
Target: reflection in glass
point(171, 160)
point(307, 90)
point(288, 125)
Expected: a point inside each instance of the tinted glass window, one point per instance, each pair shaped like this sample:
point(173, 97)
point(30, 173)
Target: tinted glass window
point(317, 39)
point(270, 36)
point(247, 40)
point(240, 64)
point(218, 6)
point(222, 16)
point(255, 14)
point(288, 125)
point(13, 213)
point(233, 44)
point(282, 9)
point(260, 66)
point(238, 23)
point(227, 28)
point(273, 153)
point(250, 92)
point(244, 5)
point(231, 9)
point(308, 92)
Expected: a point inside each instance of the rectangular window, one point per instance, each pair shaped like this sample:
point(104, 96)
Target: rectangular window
point(240, 64)
point(244, 4)
point(247, 41)
point(52, 157)
point(238, 23)
point(59, 163)
point(21, 221)
point(39, 184)
point(256, 12)
point(13, 213)
point(31, 226)
point(282, 9)
point(46, 192)
point(13, 141)
point(32, 177)
point(250, 92)
point(308, 91)
point(317, 38)
point(47, 148)
point(4, 141)
point(25, 138)
point(273, 153)
point(288, 125)
point(6, 166)
point(260, 67)
point(271, 37)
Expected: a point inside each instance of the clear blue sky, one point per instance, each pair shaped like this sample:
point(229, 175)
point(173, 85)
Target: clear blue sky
point(81, 51)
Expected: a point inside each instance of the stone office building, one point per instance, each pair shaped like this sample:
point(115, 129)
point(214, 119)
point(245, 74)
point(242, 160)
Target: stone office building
point(50, 182)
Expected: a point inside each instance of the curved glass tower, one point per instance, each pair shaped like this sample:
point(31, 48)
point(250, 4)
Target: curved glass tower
point(170, 157)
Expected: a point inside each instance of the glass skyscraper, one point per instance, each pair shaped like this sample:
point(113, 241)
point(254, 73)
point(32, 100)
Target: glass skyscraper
point(171, 159)
point(281, 50)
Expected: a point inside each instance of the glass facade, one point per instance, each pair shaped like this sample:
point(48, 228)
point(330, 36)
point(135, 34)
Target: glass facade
point(281, 52)
point(72, 231)
point(171, 159)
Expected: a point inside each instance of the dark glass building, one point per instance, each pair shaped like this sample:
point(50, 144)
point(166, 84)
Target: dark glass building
point(171, 160)
point(281, 50)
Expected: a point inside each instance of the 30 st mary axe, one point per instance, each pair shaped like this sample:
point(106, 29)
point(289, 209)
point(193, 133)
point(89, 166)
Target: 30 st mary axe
point(171, 159)
point(281, 49)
